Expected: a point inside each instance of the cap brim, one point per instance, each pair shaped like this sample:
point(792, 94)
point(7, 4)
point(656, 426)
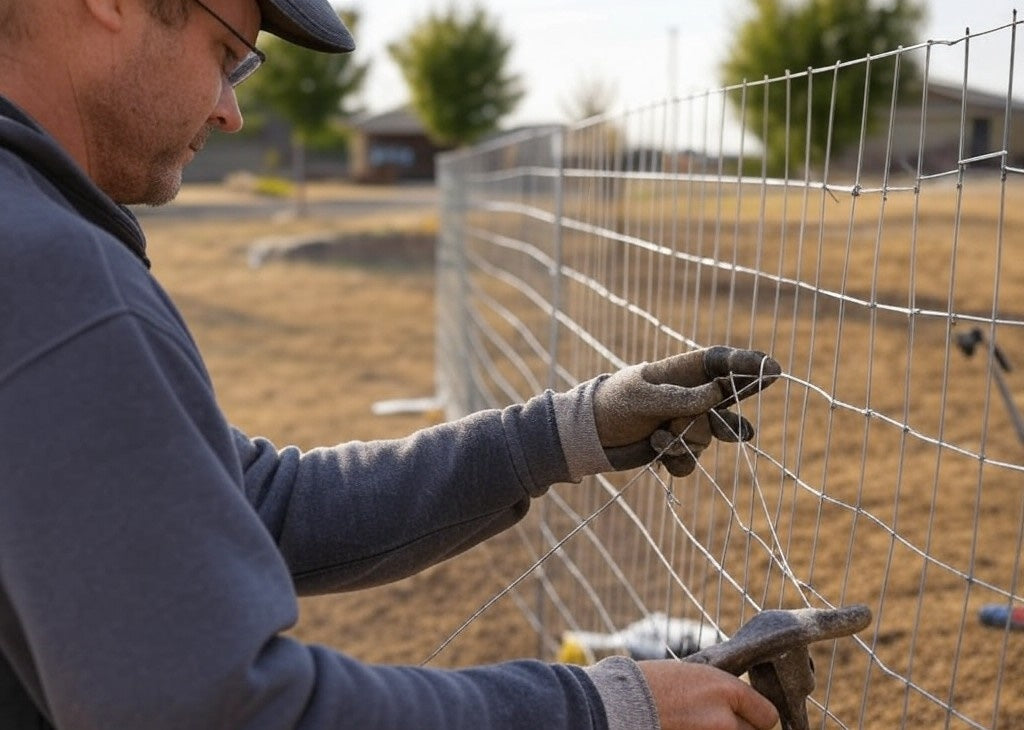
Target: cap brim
point(309, 23)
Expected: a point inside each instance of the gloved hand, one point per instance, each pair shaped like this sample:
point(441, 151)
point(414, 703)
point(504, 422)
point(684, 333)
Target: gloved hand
point(641, 410)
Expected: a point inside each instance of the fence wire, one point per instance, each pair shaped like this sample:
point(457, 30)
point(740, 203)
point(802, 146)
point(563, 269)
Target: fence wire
point(886, 276)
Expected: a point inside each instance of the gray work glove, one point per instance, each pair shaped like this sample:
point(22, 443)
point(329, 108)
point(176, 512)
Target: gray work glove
point(673, 407)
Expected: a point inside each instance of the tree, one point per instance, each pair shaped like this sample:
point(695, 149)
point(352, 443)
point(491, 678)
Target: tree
point(591, 97)
point(309, 90)
point(786, 36)
point(596, 138)
point(455, 67)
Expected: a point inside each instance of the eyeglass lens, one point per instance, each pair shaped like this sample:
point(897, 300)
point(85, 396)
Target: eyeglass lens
point(245, 69)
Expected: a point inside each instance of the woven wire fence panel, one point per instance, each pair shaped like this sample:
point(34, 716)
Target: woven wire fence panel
point(886, 277)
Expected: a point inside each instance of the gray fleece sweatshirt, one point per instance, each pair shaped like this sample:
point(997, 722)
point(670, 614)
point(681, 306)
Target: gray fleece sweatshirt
point(150, 554)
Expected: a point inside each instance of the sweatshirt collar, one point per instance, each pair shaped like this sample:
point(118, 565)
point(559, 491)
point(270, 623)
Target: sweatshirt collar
point(22, 135)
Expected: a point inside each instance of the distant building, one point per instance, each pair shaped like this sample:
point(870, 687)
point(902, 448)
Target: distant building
point(263, 149)
point(984, 116)
point(390, 147)
point(255, 152)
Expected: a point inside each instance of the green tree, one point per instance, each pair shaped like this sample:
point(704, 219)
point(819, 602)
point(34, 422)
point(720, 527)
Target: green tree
point(311, 91)
point(455, 67)
point(783, 35)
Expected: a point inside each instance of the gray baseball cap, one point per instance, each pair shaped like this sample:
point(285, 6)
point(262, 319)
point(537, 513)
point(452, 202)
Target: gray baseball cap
point(308, 23)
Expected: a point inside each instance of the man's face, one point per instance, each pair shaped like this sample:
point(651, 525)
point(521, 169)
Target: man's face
point(168, 93)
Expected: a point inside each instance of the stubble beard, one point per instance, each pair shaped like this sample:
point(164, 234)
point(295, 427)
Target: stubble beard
point(162, 188)
point(134, 174)
point(164, 181)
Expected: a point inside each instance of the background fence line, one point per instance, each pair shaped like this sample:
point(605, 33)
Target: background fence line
point(886, 278)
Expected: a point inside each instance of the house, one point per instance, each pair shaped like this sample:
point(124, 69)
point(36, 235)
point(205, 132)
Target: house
point(984, 115)
point(261, 148)
point(390, 147)
point(265, 148)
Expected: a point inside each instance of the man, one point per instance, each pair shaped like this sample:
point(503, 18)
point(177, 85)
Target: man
point(149, 553)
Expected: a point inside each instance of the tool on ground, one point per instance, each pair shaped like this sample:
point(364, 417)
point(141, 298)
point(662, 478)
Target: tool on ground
point(656, 636)
point(771, 649)
point(968, 342)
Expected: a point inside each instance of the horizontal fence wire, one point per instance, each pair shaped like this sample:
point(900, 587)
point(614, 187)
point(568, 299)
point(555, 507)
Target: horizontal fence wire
point(887, 278)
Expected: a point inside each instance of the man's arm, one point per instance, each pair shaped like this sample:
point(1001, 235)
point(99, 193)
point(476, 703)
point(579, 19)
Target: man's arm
point(139, 589)
point(674, 695)
point(360, 514)
point(366, 513)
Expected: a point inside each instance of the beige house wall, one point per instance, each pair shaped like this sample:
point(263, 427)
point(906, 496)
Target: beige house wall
point(983, 125)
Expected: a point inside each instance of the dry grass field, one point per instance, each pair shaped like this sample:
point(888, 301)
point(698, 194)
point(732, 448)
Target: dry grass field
point(300, 351)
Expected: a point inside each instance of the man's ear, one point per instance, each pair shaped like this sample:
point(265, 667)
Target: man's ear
point(108, 13)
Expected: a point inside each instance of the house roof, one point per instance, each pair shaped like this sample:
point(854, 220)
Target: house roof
point(974, 97)
point(399, 120)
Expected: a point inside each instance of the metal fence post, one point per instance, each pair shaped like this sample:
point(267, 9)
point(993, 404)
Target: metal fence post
point(557, 149)
point(453, 352)
point(558, 153)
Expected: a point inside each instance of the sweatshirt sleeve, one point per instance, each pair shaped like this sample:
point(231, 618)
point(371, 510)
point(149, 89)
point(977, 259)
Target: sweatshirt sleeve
point(360, 514)
point(365, 513)
point(625, 694)
point(141, 590)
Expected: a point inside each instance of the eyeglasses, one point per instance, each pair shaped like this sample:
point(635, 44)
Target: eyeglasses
point(252, 60)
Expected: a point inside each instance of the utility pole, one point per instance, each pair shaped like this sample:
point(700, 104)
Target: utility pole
point(673, 61)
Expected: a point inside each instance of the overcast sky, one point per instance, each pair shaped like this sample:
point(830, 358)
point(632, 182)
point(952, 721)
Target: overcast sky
point(558, 43)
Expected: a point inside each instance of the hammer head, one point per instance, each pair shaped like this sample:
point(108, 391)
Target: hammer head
point(772, 649)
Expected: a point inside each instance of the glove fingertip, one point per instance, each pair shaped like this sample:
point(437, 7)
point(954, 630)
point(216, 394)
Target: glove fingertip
point(730, 427)
point(722, 360)
point(665, 442)
point(770, 367)
point(679, 466)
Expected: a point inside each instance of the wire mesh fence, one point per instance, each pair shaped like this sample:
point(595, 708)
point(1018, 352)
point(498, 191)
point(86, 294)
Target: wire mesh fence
point(886, 275)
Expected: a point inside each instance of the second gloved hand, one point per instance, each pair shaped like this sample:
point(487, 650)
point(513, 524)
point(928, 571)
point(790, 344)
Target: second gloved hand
point(673, 407)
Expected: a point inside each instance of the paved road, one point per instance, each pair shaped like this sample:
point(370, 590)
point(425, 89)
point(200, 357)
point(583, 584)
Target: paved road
point(206, 202)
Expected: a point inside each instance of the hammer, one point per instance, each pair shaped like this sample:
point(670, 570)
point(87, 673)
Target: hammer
point(772, 649)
